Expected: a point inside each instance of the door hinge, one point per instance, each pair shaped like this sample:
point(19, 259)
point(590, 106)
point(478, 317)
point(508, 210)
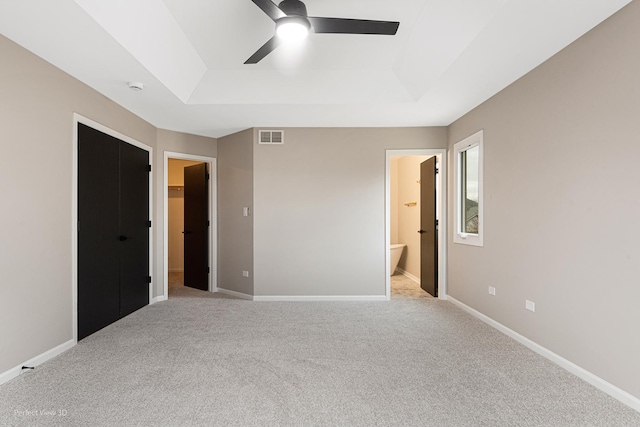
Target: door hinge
point(437, 171)
point(149, 224)
point(148, 279)
point(208, 176)
point(208, 223)
point(149, 168)
point(208, 270)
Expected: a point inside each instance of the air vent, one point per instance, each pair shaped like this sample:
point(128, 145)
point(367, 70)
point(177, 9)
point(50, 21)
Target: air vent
point(270, 137)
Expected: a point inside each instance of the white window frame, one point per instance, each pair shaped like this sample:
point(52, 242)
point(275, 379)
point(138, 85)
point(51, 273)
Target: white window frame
point(459, 236)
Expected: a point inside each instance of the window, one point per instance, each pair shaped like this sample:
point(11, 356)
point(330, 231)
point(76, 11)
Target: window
point(467, 171)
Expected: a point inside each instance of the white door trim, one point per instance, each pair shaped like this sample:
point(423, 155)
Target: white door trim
point(441, 194)
point(77, 118)
point(213, 209)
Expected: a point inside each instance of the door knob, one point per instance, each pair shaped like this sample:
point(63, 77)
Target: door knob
point(186, 232)
point(122, 238)
point(421, 231)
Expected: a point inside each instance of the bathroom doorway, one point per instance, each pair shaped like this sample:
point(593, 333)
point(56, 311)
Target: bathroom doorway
point(190, 223)
point(405, 242)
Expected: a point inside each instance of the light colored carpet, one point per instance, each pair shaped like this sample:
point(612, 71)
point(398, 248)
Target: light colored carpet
point(206, 361)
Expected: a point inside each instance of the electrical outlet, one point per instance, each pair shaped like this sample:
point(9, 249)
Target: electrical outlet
point(245, 273)
point(530, 305)
point(492, 290)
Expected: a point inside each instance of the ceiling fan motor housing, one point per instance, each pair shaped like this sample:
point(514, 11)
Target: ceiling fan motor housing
point(293, 7)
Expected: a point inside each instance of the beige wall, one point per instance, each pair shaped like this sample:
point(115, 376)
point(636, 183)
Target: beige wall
point(175, 210)
point(319, 224)
point(235, 232)
point(36, 130)
point(393, 200)
point(561, 200)
point(36, 133)
point(175, 172)
point(409, 216)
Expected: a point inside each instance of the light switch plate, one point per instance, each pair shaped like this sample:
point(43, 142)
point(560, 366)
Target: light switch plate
point(530, 305)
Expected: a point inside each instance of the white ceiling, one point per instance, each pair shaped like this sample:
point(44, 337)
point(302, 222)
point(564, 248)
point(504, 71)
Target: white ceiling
point(447, 57)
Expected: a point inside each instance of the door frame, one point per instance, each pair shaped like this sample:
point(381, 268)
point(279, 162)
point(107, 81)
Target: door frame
point(77, 118)
point(213, 210)
point(441, 200)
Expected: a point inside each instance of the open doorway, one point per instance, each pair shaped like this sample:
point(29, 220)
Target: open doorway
point(189, 222)
point(418, 263)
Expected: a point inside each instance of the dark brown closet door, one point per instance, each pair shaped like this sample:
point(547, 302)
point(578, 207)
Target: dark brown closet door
point(98, 230)
point(113, 229)
point(428, 228)
point(134, 228)
point(196, 227)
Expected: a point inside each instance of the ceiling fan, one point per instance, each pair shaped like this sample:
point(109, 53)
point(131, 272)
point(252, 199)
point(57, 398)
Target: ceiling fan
point(292, 21)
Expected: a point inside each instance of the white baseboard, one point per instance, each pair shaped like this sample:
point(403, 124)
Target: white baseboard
point(303, 297)
point(35, 361)
point(320, 298)
point(234, 294)
point(408, 275)
point(613, 391)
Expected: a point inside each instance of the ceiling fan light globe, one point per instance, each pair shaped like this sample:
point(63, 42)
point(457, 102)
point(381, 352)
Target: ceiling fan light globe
point(292, 28)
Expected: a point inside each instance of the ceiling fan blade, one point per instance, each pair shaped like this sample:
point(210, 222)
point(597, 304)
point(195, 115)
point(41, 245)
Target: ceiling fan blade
point(265, 50)
point(353, 26)
point(270, 8)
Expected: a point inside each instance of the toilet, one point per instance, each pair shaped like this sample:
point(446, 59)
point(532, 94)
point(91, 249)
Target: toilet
point(396, 253)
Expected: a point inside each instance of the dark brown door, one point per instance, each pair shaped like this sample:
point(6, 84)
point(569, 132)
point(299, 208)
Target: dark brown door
point(98, 231)
point(113, 229)
point(428, 228)
point(196, 227)
point(134, 228)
